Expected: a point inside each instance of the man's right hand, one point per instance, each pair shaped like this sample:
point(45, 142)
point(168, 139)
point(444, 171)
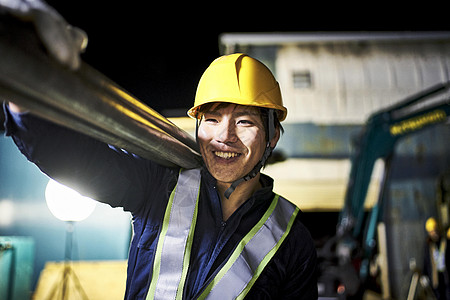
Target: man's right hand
point(63, 42)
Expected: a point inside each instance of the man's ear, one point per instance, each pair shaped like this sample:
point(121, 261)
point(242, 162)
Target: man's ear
point(275, 138)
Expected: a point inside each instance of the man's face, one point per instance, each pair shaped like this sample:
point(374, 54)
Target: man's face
point(434, 235)
point(232, 141)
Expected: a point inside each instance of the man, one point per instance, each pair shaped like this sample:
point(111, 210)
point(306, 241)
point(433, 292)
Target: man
point(436, 258)
point(218, 232)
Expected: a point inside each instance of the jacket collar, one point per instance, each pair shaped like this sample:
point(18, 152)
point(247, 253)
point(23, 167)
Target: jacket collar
point(260, 196)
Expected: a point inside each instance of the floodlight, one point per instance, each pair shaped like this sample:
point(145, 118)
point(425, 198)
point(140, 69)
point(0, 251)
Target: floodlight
point(67, 204)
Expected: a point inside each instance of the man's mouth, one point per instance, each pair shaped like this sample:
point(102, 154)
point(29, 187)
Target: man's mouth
point(226, 155)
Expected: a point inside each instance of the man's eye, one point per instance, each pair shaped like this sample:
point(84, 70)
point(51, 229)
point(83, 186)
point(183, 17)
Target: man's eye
point(210, 120)
point(245, 122)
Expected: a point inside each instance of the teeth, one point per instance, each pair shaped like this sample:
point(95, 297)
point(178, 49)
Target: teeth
point(226, 155)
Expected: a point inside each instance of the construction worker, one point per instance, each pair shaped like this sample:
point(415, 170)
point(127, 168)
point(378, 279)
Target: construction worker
point(436, 258)
point(217, 232)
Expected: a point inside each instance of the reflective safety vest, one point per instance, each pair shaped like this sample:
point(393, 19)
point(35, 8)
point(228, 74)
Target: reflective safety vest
point(235, 279)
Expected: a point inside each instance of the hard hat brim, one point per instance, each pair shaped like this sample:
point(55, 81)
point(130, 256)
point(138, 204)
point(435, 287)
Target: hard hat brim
point(282, 111)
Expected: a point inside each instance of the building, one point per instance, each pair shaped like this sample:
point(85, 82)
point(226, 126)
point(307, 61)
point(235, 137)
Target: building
point(331, 83)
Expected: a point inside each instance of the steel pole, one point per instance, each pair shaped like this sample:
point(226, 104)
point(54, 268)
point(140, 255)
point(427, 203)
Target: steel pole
point(87, 101)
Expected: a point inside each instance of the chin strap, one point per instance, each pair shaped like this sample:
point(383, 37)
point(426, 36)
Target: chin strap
point(252, 173)
point(262, 161)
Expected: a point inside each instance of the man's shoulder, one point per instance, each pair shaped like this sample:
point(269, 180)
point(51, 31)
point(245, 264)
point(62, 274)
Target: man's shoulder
point(298, 228)
point(299, 241)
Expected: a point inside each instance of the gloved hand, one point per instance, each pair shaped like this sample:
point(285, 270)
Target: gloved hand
point(62, 41)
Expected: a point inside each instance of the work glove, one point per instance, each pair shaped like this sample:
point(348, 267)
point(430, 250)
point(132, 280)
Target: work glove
point(63, 42)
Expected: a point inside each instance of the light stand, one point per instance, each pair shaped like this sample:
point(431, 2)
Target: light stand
point(69, 206)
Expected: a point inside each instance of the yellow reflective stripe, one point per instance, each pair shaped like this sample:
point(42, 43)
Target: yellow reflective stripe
point(269, 256)
point(157, 260)
point(160, 244)
point(237, 252)
point(187, 254)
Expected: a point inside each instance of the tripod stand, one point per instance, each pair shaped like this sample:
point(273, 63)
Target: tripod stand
point(61, 287)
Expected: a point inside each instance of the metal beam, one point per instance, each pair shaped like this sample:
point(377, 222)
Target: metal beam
point(87, 101)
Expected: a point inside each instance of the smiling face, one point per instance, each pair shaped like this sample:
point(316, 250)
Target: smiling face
point(232, 140)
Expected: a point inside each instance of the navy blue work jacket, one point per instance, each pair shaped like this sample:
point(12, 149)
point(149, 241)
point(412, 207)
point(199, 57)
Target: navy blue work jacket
point(142, 187)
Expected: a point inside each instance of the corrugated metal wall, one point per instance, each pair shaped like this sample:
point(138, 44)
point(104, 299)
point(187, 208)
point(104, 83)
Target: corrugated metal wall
point(348, 81)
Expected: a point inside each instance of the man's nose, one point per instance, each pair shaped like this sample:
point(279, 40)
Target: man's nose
point(226, 132)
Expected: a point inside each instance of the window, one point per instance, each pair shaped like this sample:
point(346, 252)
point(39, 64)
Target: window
point(302, 79)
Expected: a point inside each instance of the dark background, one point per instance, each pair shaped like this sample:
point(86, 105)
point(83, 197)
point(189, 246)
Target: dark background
point(158, 50)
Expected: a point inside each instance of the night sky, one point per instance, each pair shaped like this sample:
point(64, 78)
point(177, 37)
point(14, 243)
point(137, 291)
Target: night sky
point(158, 51)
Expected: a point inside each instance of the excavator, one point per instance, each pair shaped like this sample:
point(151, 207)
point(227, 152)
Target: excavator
point(346, 260)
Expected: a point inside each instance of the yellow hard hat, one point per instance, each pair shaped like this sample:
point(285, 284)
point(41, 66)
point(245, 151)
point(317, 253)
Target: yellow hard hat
point(431, 225)
point(239, 79)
